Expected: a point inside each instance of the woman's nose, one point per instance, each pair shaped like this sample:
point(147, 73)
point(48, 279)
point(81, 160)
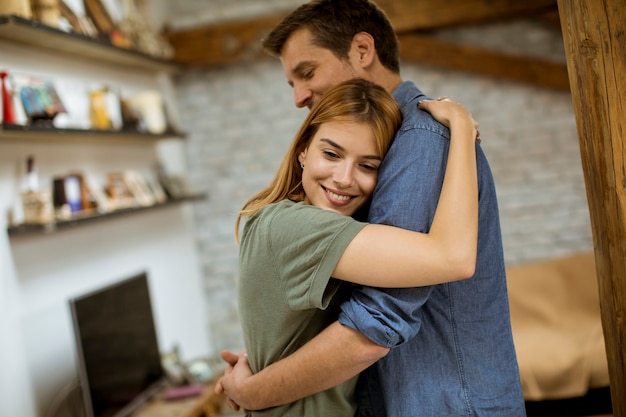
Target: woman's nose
point(344, 175)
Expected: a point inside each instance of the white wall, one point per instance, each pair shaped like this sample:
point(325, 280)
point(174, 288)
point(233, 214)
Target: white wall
point(40, 273)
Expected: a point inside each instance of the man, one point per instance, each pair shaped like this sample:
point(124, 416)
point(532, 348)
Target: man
point(445, 350)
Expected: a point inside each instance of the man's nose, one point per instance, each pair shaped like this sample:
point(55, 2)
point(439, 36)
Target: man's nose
point(302, 96)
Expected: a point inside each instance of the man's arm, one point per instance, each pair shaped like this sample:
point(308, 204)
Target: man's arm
point(332, 357)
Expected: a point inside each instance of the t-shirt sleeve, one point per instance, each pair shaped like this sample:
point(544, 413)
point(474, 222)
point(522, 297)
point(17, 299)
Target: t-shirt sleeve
point(307, 243)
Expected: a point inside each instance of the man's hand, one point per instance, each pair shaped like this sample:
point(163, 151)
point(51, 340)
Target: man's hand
point(232, 383)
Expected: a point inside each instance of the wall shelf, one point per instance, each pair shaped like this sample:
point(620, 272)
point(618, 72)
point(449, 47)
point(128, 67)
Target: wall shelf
point(61, 225)
point(69, 46)
point(13, 132)
point(34, 33)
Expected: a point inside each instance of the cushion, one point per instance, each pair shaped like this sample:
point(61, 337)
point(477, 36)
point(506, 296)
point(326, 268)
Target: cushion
point(557, 329)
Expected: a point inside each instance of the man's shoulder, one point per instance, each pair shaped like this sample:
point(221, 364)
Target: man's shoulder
point(408, 96)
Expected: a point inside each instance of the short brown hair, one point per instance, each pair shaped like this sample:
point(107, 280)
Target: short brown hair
point(333, 24)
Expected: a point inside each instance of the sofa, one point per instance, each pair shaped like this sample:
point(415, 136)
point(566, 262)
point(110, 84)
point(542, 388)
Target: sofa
point(557, 331)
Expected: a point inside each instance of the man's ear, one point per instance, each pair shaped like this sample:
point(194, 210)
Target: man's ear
point(363, 49)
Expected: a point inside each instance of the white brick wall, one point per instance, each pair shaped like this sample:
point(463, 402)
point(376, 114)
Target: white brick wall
point(240, 120)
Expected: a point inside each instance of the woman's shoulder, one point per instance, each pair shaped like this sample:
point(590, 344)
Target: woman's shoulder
point(288, 212)
point(284, 211)
point(281, 207)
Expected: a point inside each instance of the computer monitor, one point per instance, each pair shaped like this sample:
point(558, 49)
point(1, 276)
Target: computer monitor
point(118, 354)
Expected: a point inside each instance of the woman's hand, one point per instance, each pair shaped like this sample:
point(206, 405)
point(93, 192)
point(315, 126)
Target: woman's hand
point(232, 382)
point(448, 112)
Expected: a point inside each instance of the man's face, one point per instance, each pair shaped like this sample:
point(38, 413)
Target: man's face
point(311, 70)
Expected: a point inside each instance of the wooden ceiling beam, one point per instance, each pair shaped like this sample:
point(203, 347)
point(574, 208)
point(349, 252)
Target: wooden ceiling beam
point(230, 42)
point(428, 50)
point(240, 41)
point(410, 15)
point(222, 43)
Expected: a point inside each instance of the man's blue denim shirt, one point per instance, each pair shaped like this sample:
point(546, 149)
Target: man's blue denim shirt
point(451, 345)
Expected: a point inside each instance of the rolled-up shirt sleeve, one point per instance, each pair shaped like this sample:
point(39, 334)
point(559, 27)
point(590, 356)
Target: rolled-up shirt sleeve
point(388, 317)
point(406, 196)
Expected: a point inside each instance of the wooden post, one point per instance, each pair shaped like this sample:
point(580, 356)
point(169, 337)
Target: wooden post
point(594, 32)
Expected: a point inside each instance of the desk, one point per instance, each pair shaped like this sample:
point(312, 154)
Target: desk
point(207, 404)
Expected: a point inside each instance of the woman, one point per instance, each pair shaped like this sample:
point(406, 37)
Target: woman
point(299, 233)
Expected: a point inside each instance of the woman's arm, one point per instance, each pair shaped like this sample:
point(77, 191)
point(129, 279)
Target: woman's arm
point(387, 256)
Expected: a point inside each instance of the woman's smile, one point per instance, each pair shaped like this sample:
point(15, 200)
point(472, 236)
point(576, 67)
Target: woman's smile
point(337, 197)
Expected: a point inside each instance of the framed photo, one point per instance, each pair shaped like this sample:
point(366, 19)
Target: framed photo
point(175, 186)
point(139, 187)
point(39, 98)
point(157, 190)
point(119, 191)
point(72, 196)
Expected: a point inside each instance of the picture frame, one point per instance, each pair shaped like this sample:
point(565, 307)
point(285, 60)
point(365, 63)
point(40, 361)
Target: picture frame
point(119, 191)
point(72, 196)
point(139, 188)
point(175, 186)
point(39, 98)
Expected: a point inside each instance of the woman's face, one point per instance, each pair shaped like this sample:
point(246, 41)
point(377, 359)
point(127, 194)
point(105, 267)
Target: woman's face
point(340, 167)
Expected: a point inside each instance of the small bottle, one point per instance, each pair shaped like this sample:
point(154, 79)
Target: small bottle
point(32, 179)
point(8, 116)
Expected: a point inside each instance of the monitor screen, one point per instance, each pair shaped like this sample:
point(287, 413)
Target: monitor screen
point(118, 353)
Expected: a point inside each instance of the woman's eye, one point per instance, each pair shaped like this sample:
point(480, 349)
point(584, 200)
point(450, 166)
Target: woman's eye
point(372, 168)
point(331, 154)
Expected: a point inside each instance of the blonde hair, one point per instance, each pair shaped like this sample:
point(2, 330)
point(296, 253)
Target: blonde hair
point(357, 101)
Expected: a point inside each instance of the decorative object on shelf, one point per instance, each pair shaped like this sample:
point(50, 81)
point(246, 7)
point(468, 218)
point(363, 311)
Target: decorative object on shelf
point(73, 197)
point(62, 209)
point(135, 27)
point(36, 202)
point(8, 116)
point(71, 17)
point(98, 111)
point(131, 189)
point(174, 185)
point(100, 17)
point(47, 12)
point(17, 7)
point(139, 188)
point(37, 206)
point(131, 119)
point(40, 99)
point(119, 191)
point(73, 193)
point(157, 190)
point(149, 106)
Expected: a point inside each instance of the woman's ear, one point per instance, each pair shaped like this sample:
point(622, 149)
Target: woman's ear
point(302, 157)
point(364, 49)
